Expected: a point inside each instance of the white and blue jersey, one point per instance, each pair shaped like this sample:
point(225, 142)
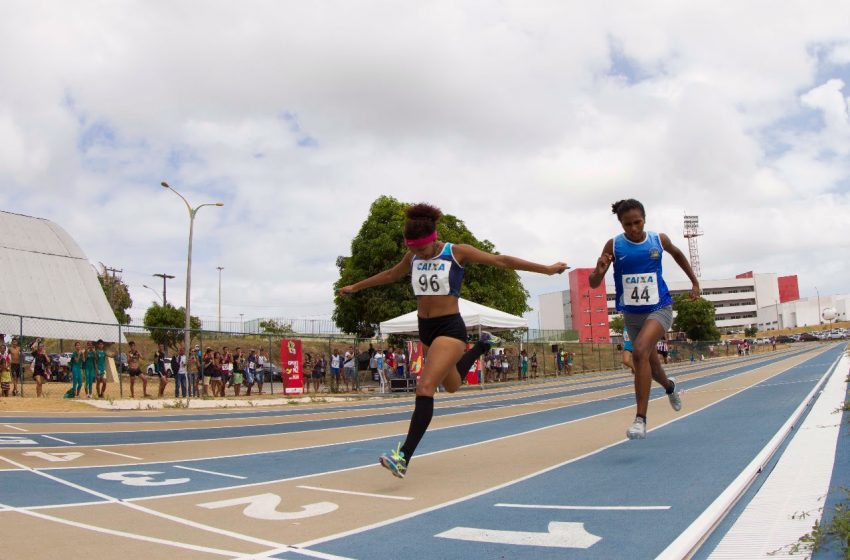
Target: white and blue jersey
point(439, 276)
point(637, 274)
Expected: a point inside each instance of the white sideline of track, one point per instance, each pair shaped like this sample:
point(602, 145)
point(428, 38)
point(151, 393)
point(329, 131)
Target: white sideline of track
point(693, 536)
point(792, 497)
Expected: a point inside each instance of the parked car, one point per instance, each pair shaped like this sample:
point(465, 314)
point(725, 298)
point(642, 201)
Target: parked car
point(785, 339)
point(836, 336)
point(150, 369)
point(808, 337)
point(121, 362)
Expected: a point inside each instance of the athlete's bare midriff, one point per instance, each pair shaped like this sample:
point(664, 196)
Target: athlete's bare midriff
point(436, 306)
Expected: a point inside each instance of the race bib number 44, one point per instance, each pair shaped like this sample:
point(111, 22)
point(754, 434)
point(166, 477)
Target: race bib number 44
point(430, 278)
point(640, 289)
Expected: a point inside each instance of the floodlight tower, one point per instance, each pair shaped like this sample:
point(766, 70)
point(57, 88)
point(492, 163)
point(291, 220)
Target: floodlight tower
point(692, 231)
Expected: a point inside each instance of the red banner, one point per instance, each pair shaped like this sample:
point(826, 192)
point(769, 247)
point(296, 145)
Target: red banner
point(293, 370)
point(415, 350)
point(473, 376)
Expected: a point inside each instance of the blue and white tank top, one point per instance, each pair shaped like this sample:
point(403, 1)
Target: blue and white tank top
point(439, 276)
point(637, 274)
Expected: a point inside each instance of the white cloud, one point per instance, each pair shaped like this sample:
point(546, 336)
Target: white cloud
point(511, 116)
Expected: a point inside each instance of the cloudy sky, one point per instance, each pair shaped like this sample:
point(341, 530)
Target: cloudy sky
point(524, 119)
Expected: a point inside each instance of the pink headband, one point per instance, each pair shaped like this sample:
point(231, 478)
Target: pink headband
point(422, 240)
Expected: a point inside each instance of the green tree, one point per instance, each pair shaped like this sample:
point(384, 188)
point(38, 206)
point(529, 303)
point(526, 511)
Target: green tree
point(751, 331)
point(695, 318)
point(117, 294)
point(617, 324)
point(270, 326)
point(166, 324)
point(379, 245)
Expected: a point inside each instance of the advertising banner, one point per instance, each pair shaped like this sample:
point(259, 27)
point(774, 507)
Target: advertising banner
point(415, 350)
point(292, 364)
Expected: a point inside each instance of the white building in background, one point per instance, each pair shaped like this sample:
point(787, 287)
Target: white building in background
point(739, 302)
point(803, 312)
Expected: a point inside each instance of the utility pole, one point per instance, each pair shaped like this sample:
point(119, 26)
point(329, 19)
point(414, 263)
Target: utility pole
point(107, 270)
point(164, 278)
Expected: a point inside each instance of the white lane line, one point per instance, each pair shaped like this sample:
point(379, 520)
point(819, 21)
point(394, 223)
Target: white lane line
point(500, 438)
point(272, 554)
point(588, 508)
point(143, 509)
point(443, 505)
point(119, 454)
point(124, 534)
point(695, 534)
point(57, 439)
point(367, 494)
point(15, 428)
point(210, 472)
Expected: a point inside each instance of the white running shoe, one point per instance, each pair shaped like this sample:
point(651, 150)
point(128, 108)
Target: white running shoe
point(675, 397)
point(637, 430)
point(489, 338)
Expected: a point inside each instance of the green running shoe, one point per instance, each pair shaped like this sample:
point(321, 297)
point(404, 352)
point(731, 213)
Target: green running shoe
point(394, 462)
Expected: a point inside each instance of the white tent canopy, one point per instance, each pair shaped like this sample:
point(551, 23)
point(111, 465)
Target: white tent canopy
point(474, 315)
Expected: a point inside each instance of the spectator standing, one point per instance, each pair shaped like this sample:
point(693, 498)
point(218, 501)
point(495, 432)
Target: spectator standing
point(318, 372)
point(349, 367)
point(559, 361)
point(373, 364)
point(208, 365)
point(524, 364)
point(5, 371)
point(238, 371)
point(195, 363)
point(250, 371)
point(133, 359)
point(570, 357)
point(533, 361)
point(159, 358)
point(181, 375)
point(90, 359)
point(217, 376)
point(336, 362)
point(226, 368)
point(100, 369)
point(15, 357)
point(40, 364)
point(400, 363)
point(262, 364)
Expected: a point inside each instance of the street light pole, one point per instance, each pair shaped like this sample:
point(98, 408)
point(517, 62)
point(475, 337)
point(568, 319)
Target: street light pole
point(154, 291)
point(187, 336)
point(220, 268)
point(164, 293)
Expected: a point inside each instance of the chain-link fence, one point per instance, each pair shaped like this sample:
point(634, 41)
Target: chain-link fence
point(135, 369)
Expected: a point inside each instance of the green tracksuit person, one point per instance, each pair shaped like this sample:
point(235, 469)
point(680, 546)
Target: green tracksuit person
point(89, 365)
point(77, 370)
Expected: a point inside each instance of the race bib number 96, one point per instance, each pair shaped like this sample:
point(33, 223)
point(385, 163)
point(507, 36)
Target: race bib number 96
point(430, 278)
point(640, 289)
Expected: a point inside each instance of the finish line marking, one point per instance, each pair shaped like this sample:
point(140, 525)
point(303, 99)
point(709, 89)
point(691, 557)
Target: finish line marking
point(588, 508)
point(62, 440)
point(210, 472)
point(119, 454)
point(356, 493)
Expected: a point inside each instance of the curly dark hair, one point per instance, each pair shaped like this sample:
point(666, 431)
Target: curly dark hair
point(421, 220)
point(622, 206)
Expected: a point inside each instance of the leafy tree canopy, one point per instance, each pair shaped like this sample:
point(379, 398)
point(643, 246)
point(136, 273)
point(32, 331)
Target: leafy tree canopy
point(117, 294)
point(617, 324)
point(379, 245)
point(276, 328)
point(166, 324)
point(695, 318)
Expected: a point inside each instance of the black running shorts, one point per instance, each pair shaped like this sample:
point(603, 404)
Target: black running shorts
point(447, 325)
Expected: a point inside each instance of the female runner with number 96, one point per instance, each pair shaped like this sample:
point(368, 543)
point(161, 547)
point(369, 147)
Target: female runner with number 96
point(643, 299)
point(436, 270)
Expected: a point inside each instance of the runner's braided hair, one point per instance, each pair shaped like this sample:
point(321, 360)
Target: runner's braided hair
point(421, 220)
point(622, 206)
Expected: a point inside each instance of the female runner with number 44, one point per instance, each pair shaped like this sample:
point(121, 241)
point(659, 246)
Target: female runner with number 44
point(436, 270)
point(643, 299)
